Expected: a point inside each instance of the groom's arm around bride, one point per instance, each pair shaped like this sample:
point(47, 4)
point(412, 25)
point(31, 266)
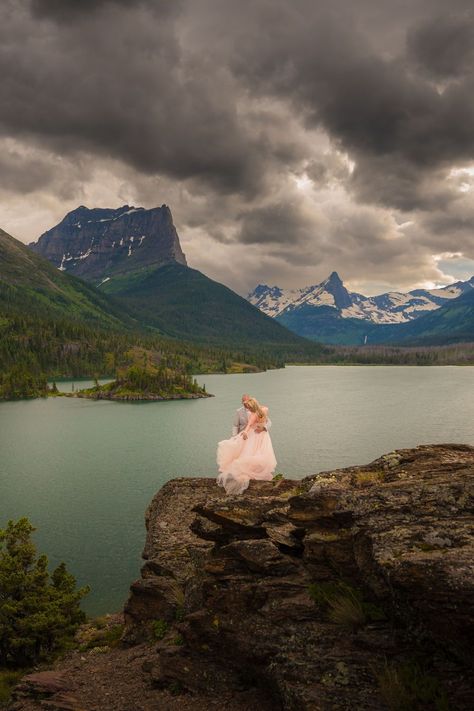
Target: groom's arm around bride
point(241, 419)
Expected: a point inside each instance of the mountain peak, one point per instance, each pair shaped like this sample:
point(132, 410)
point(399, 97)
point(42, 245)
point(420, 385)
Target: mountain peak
point(334, 279)
point(334, 286)
point(98, 243)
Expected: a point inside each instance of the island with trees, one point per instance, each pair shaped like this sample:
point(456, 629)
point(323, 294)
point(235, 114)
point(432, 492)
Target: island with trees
point(146, 383)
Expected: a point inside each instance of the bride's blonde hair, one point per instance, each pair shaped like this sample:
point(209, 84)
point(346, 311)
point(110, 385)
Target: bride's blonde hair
point(254, 406)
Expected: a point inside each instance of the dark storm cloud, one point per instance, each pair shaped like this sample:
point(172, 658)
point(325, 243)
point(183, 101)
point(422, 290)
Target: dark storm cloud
point(393, 122)
point(25, 175)
point(119, 84)
point(240, 110)
point(28, 171)
point(276, 224)
point(451, 231)
point(444, 45)
point(393, 181)
point(70, 9)
point(124, 83)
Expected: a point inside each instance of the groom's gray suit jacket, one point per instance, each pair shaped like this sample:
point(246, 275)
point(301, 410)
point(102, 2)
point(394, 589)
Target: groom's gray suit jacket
point(240, 421)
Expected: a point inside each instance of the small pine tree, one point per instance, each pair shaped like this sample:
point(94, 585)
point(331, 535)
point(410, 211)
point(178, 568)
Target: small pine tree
point(39, 613)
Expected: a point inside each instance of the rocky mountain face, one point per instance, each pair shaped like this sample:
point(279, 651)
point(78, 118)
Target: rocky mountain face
point(392, 307)
point(327, 592)
point(100, 243)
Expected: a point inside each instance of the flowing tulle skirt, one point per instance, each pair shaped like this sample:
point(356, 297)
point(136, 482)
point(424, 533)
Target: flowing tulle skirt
point(240, 460)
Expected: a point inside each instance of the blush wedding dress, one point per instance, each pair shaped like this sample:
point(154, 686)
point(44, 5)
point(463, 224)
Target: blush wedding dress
point(240, 460)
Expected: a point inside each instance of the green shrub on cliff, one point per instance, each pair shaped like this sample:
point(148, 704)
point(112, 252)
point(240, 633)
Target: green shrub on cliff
point(39, 612)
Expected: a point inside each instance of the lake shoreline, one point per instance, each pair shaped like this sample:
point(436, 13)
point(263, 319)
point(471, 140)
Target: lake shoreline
point(137, 397)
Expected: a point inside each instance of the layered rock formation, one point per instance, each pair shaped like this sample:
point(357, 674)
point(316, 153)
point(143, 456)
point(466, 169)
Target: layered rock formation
point(339, 591)
point(100, 243)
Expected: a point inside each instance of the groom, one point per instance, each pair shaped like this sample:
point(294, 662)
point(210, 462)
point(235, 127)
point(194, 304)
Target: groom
point(241, 419)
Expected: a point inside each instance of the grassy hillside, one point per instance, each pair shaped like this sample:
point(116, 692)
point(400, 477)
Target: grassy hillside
point(30, 285)
point(185, 304)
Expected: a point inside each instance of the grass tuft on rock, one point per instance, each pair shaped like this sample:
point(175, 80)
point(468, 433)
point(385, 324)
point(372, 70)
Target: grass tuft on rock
point(347, 610)
point(405, 687)
point(159, 628)
point(365, 478)
point(103, 632)
point(344, 604)
point(177, 593)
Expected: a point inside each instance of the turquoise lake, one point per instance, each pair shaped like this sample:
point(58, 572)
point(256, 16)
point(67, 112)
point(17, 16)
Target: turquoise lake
point(84, 471)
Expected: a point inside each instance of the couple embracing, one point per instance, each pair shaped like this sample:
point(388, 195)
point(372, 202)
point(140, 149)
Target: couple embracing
point(248, 454)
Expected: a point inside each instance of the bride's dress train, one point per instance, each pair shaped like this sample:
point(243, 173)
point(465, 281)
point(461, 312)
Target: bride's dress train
point(240, 460)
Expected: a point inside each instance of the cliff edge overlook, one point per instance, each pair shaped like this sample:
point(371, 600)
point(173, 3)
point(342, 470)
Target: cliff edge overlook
point(350, 589)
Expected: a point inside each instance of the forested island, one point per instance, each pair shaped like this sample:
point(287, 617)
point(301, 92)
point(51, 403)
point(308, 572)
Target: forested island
point(146, 383)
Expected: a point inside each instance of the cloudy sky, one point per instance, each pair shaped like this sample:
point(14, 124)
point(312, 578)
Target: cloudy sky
point(290, 138)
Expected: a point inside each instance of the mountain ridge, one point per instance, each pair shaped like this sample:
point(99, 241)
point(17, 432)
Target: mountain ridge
point(388, 307)
point(329, 313)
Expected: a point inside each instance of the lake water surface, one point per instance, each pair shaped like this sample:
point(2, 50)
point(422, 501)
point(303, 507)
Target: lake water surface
point(84, 471)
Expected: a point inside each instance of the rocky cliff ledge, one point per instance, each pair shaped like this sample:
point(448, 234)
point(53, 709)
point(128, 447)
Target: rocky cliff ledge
point(344, 590)
point(349, 590)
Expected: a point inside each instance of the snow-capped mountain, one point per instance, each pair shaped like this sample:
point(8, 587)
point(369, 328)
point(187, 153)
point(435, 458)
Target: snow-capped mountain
point(393, 307)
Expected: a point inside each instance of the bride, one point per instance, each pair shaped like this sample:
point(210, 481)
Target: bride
point(248, 455)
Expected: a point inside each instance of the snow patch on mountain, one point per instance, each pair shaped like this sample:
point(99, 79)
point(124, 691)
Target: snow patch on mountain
point(391, 307)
